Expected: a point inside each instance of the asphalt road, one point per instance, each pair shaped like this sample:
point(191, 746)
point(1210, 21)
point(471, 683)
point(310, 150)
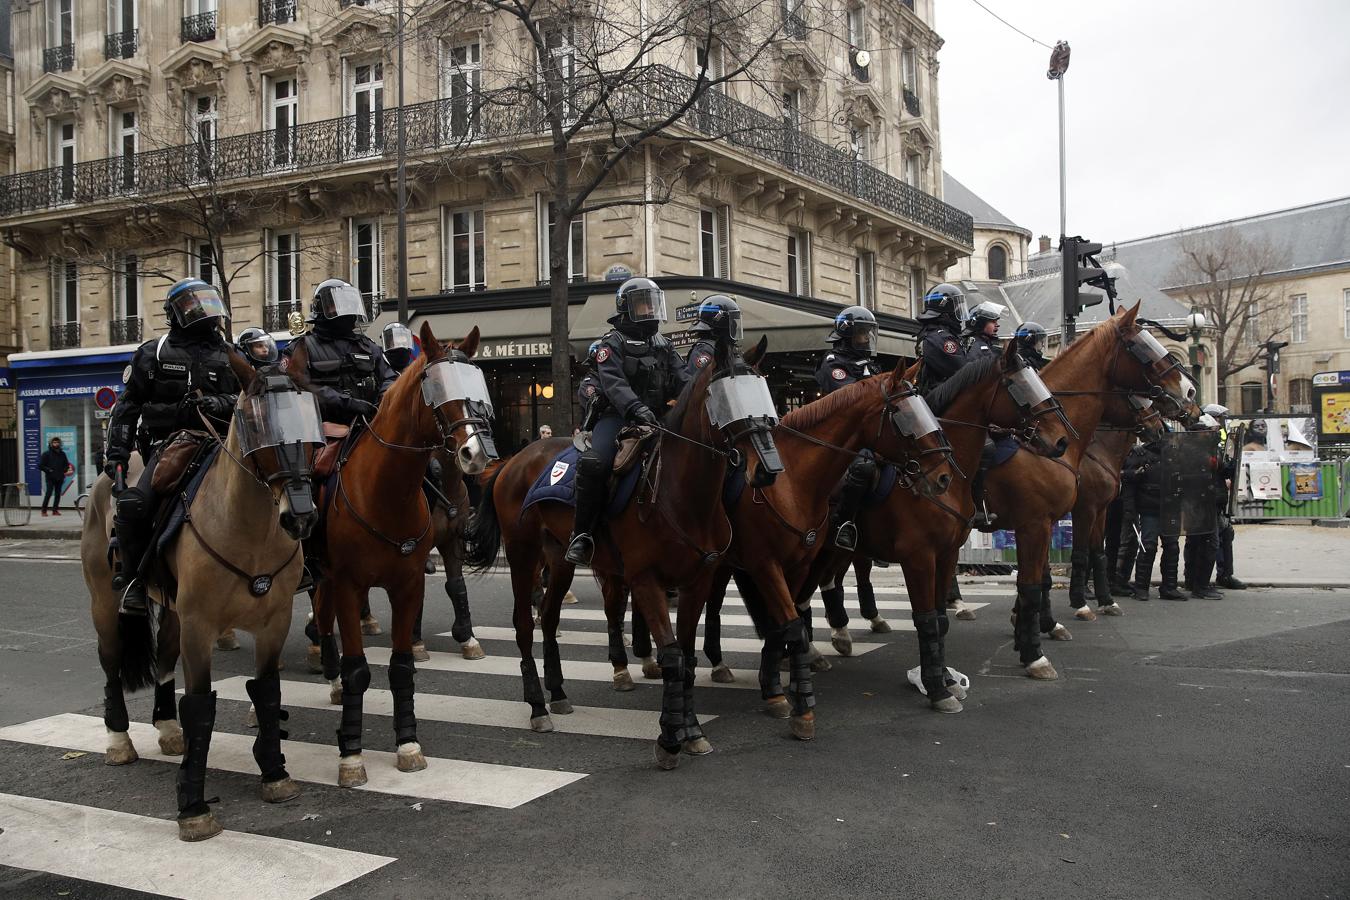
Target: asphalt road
point(1189, 750)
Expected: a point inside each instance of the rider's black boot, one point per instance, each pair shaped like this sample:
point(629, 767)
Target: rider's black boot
point(133, 539)
point(591, 487)
point(857, 483)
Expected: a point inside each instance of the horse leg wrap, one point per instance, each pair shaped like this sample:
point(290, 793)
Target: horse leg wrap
point(1101, 576)
point(458, 593)
point(867, 600)
point(804, 613)
point(835, 613)
point(355, 680)
point(534, 693)
point(266, 696)
point(931, 671)
point(953, 590)
point(1044, 617)
point(197, 713)
point(401, 671)
point(1078, 578)
point(328, 652)
point(712, 630)
point(164, 700)
point(770, 683)
point(115, 706)
point(553, 677)
point(1027, 637)
point(672, 698)
point(617, 655)
point(692, 729)
point(312, 632)
point(800, 687)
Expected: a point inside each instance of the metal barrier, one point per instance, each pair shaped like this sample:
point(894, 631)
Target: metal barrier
point(1334, 503)
point(17, 504)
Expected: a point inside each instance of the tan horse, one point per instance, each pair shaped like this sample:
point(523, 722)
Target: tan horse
point(236, 564)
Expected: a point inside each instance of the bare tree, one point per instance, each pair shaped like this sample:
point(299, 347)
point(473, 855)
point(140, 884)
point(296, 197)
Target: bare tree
point(1233, 280)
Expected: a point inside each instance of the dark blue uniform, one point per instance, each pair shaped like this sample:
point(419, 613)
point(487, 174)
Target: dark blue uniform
point(941, 352)
point(979, 344)
point(346, 370)
point(701, 355)
point(634, 372)
point(588, 391)
point(840, 367)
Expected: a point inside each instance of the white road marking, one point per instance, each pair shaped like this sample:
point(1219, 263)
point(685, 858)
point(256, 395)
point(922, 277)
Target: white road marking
point(598, 615)
point(594, 720)
point(601, 639)
point(141, 853)
point(452, 780)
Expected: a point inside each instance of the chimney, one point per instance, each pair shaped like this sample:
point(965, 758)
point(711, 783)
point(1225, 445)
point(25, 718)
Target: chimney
point(1045, 243)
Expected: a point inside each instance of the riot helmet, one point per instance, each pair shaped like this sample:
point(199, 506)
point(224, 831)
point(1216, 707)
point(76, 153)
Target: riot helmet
point(856, 329)
point(1217, 410)
point(640, 302)
point(399, 348)
point(719, 316)
point(338, 303)
point(590, 353)
point(982, 315)
point(258, 347)
point(946, 301)
point(193, 304)
point(1030, 337)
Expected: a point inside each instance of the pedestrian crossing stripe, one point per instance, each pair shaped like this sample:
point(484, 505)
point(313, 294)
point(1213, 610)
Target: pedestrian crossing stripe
point(143, 853)
point(601, 639)
point(740, 619)
point(600, 721)
point(451, 780)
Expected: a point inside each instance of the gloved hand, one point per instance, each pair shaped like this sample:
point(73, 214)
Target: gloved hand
point(360, 408)
point(216, 406)
point(112, 466)
point(644, 416)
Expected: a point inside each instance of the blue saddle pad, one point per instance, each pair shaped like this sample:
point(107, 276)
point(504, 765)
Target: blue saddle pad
point(1005, 445)
point(886, 478)
point(734, 485)
point(558, 483)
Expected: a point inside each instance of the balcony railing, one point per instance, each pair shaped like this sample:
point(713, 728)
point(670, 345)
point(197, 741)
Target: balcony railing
point(275, 12)
point(64, 336)
point(794, 27)
point(58, 59)
point(346, 3)
point(912, 105)
point(438, 128)
point(276, 316)
point(125, 331)
point(201, 27)
point(121, 45)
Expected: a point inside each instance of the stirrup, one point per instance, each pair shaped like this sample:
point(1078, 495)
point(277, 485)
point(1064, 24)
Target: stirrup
point(134, 601)
point(846, 537)
point(580, 550)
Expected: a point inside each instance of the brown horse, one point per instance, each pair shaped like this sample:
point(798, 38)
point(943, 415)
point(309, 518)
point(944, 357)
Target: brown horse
point(235, 564)
point(1030, 493)
point(377, 531)
point(450, 516)
point(671, 533)
point(925, 539)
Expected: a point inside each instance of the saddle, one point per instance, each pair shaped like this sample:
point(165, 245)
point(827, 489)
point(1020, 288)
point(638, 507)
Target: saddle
point(176, 456)
point(172, 512)
point(634, 442)
point(325, 461)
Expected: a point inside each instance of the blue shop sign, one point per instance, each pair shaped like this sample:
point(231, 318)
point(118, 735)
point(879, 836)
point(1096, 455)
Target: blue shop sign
point(6, 379)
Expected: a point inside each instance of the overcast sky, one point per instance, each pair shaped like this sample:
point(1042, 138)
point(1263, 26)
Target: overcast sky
point(1180, 112)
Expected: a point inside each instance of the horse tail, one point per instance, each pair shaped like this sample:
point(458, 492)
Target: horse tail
point(138, 665)
point(484, 537)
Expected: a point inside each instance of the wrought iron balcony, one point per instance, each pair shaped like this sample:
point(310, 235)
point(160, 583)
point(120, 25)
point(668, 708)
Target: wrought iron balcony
point(64, 336)
point(121, 45)
point(125, 331)
point(275, 12)
point(198, 28)
point(438, 127)
point(346, 3)
point(794, 27)
point(912, 103)
point(58, 59)
point(276, 316)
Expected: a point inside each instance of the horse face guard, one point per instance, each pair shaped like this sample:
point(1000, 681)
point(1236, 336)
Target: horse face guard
point(740, 406)
point(279, 431)
point(913, 421)
point(1033, 398)
point(1158, 366)
point(1148, 420)
point(455, 380)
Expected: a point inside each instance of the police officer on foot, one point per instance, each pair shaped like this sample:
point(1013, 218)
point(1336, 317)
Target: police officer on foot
point(171, 383)
point(939, 344)
point(981, 334)
point(347, 370)
point(854, 339)
point(639, 372)
point(719, 319)
point(1224, 477)
point(258, 347)
point(1030, 338)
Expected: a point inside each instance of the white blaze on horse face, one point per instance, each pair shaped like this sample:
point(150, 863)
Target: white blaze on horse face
point(472, 455)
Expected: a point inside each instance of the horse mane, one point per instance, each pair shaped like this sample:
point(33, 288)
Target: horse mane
point(674, 420)
point(1100, 334)
point(945, 394)
point(409, 379)
point(812, 414)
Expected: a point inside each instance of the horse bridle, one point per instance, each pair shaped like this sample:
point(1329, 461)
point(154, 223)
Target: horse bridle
point(1029, 422)
point(912, 472)
point(1157, 387)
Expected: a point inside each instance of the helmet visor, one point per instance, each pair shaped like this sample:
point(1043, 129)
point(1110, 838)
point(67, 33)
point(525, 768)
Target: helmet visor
point(1034, 341)
point(262, 350)
point(646, 304)
point(988, 312)
point(1027, 389)
point(864, 337)
point(197, 303)
point(342, 300)
point(913, 418)
point(274, 418)
point(735, 330)
point(446, 380)
point(398, 337)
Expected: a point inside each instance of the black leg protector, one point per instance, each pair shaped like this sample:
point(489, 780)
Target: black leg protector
point(835, 613)
point(197, 713)
point(672, 699)
point(1078, 578)
point(770, 682)
point(1046, 618)
point(553, 677)
point(312, 632)
point(712, 630)
point(954, 589)
point(355, 680)
point(164, 701)
point(931, 671)
point(801, 689)
point(618, 656)
point(1171, 553)
point(458, 593)
point(1026, 637)
point(115, 706)
point(692, 729)
point(1101, 576)
point(943, 624)
point(266, 696)
point(867, 600)
point(401, 671)
point(534, 692)
point(331, 659)
point(642, 636)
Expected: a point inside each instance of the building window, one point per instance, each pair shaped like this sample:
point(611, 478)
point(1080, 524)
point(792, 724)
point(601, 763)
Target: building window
point(1298, 319)
point(1251, 324)
point(998, 262)
point(799, 263)
point(864, 278)
point(794, 20)
point(913, 171)
point(126, 288)
point(120, 42)
point(909, 70)
point(792, 108)
point(714, 227)
point(708, 60)
point(558, 43)
point(857, 27)
point(918, 287)
point(1300, 395)
point(1252, 397)
point(576, 246)
point(366, 104)
point(860, 141)
point(60, 25)
point(63, 154)
point(1345, 304)
point(368, 260)
point(124, 136)
point(462, 75)
point(283, 108)
point(202, 261)
point(465, 268)
point(283, 269)
point(65, 291)
point(202, 122)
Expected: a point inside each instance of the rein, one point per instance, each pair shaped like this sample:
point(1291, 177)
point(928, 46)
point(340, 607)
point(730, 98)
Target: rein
point(404, 547)
point(258, 585)
point(651, 477)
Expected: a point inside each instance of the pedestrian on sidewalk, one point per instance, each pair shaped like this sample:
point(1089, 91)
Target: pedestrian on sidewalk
point(1143, 474)
point(54, 465)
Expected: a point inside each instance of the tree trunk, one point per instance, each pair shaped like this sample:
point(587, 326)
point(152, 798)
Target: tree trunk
point(219, 253)
point(560, 237)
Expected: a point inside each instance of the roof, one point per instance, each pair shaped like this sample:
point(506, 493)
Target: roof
point(963, 198)
point(1038, 298)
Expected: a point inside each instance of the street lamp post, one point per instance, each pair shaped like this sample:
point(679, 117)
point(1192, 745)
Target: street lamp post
point(1196, 321)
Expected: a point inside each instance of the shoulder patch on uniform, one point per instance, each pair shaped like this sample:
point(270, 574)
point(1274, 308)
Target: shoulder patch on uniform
point(702, 360)
point(126, 375)
point(838, 373)
point(950, 346)
point(589, 390)
point(602, 354)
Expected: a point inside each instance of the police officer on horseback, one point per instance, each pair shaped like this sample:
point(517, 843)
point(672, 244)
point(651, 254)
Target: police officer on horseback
point(981, 334)
point(172, 383)
point(639, 372)
point(258, 347)
point(1030, 338)
point(854, 339)
point(939, 343)
point(588, 389)
point(348, 370)
point(399, 347)
point(718, 320)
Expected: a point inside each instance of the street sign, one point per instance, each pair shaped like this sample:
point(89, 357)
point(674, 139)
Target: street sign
point(618, 273)
point(105, 398)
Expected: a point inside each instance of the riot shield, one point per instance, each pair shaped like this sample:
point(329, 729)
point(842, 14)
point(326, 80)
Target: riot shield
point(1189, 504)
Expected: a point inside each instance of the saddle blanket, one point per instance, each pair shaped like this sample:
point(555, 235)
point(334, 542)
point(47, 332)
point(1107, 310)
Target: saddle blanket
point(558, 483)
point(175, 504)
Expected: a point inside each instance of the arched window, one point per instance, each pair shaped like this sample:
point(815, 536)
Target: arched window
point(998, 262)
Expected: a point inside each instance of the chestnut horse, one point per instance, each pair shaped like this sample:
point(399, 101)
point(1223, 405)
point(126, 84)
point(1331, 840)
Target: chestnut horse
point(236, 564)
point(671, 533)
point(450, 517)
point(377, 532)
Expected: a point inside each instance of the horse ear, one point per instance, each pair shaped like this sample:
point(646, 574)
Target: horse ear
point(296, 363)
point(431, 346)
point(756, 354)
point(1010, 355)
point(244, 372)
point(469, 346)
point(1128, 316)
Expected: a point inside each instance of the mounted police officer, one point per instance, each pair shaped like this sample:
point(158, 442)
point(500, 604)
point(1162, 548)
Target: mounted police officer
point(939, 345)
point(718, 320)
point(588, 388)
point(171, 383)
point(854, 339)
point(399, 348)
point(1030, 338)
point(258, 347)
point(981, 333)
point(639, 372)
point(348, 370)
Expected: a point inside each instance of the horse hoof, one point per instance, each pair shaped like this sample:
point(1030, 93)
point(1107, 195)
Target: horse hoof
point(1085, 614)
point(721, 674)
point(1041, 670)
point(965, 615)
point(561, 707)
point(821, 664)
point(472, 649)
point(666, 760)
point(956, 691)
point(419, 652)
point(371, 626)
point(947, 705)
point(541, 724)
point(880, 626)
point(335, 692)
point(410, 758)
point(699, 746)
point(650, 668)
point(280, 791)
point(842, 641)
point(314, 660)
point(170, 738)
point(198, 828)
point(227, 641)
point(251, 719)
point(778, 707)
point(122, 756)
point(1060, 633)
point(1112, 610)
point(803, 727)
point(352, 774)
point(623, 682)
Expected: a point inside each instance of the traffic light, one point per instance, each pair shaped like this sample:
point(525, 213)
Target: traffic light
point(1079, 266)
point(1273, 349)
